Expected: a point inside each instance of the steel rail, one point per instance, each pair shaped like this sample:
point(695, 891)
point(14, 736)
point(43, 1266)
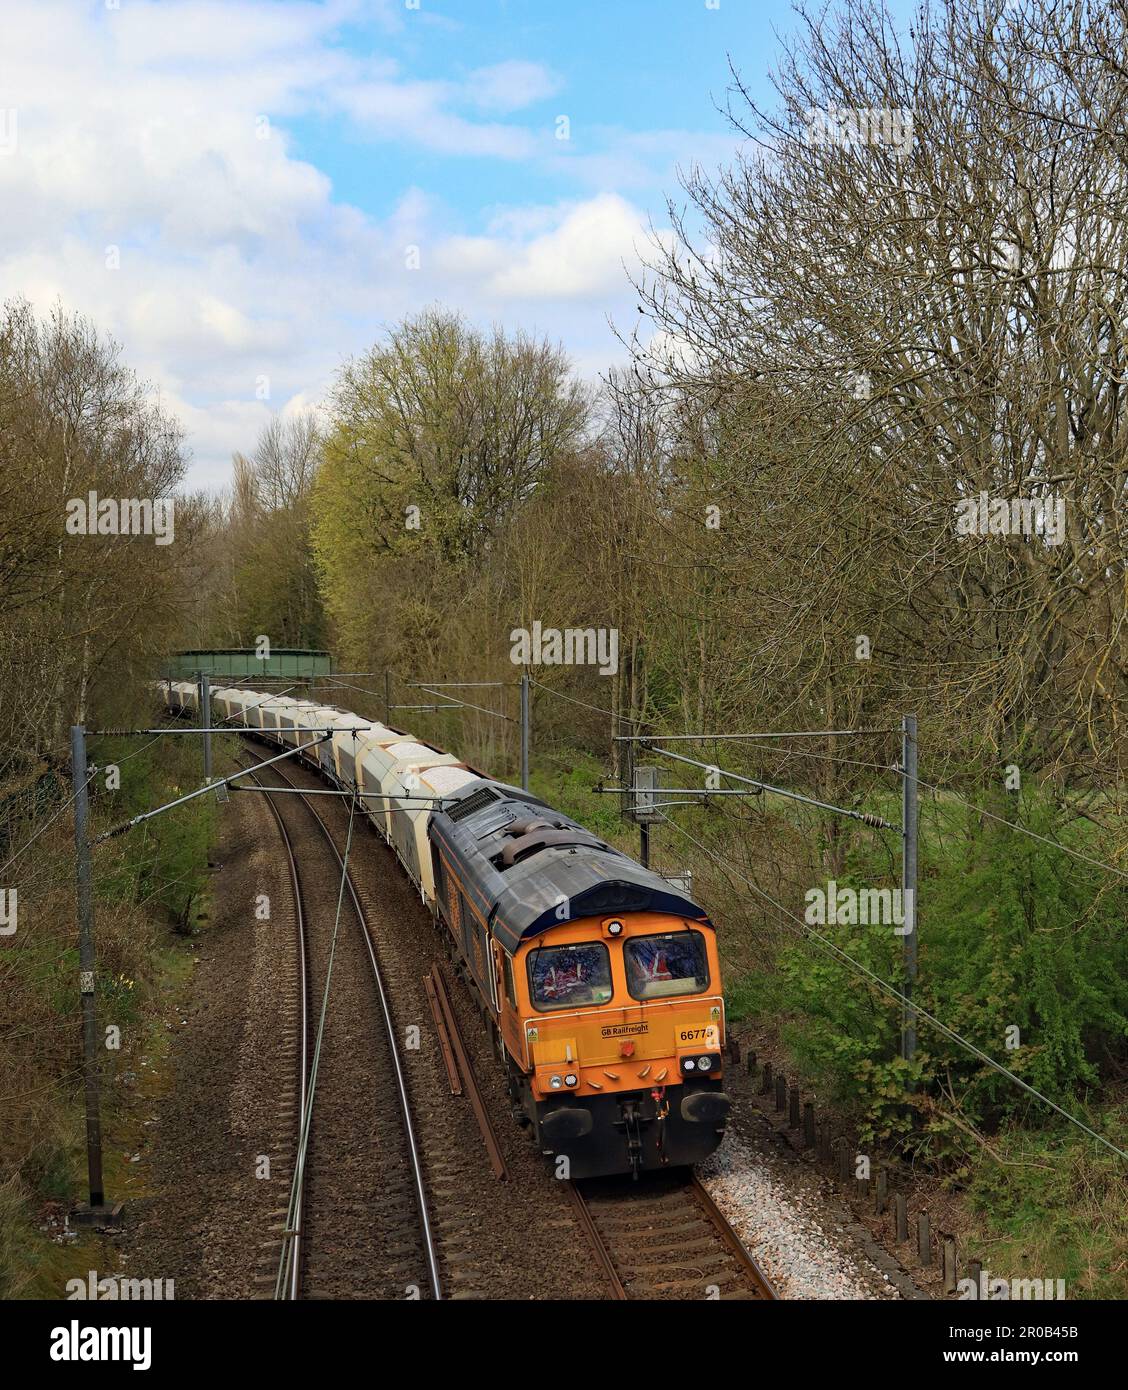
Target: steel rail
point(453, 1077)
point(596, 1241)
point(876, 822)
point(397, 1062)
point(711, 738)
point(712, 1213)
point(292, 1236)
point(453, 1035)
point(211, 786)
point(731, 1239)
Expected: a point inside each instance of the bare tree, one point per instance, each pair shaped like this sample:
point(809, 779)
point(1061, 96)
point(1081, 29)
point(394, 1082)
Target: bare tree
point(910, 293)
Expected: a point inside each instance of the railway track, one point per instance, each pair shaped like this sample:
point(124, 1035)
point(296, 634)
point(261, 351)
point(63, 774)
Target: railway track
point(474, 1219)
point(659, 1238)
point(287, 1282)
point(358, 1225)
point(663, 1237)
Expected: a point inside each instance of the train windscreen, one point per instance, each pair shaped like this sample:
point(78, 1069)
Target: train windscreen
point(670, 964)
point(562, 977)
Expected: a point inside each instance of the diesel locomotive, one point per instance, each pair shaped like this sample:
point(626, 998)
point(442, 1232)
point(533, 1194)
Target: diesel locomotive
point(600, 981)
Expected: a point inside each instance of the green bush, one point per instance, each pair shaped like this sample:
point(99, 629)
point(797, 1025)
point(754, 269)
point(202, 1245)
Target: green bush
point(569, 789)
point(1021, 951)
point(163, 860)
point(1056, 1205)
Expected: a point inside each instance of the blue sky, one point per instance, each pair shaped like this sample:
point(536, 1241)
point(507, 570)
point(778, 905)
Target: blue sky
point(615, 68)
point(246, 192)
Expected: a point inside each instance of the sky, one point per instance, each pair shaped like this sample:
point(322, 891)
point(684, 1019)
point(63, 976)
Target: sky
point(245, 193)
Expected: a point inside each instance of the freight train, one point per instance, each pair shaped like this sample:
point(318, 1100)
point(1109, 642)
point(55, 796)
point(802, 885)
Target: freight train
point(600, 982)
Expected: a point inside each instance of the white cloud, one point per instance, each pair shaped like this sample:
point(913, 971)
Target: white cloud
point(511, 86)
point(416, 112)
point(583, 256)
point(572, 251)
point(222, 33)
point(141, 129)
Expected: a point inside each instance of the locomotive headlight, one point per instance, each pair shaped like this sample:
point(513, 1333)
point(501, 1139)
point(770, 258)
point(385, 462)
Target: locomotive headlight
point(688, 1064)
point(556, 1082)
point(571, 1079)
point(705, 1063)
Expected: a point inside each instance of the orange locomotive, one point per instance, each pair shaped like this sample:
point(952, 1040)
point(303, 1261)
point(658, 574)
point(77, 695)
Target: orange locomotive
point(601, 980)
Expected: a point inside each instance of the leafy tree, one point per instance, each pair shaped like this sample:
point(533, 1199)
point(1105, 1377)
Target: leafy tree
point(437, 436)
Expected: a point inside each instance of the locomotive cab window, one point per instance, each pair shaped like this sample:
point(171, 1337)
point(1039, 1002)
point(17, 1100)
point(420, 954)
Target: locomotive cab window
point(670, 964)
point(566, 977)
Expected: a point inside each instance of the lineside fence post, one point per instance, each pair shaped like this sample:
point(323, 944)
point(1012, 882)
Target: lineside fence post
point(387, 699)
point(909, 879)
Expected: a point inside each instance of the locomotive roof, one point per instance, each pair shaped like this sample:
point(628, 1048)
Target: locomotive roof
point(554, 862)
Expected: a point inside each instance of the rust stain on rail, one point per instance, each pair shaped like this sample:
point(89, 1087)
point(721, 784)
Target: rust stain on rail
point(451, 1038)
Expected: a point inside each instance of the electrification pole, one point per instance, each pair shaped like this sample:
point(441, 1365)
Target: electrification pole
point(205, 712)
point(525, 732)
point(96, 1213)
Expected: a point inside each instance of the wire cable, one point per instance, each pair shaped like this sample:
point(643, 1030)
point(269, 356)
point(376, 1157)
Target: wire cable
point(626, 718)
point(894, 993)
point(1022, 830)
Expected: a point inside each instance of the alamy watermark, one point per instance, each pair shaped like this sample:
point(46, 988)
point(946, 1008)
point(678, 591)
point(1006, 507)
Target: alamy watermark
point(111, 1287)
point(126, 516)
point(984, 515)
point(860, 125)
point(570, 646)
point(78, 1343)
point(867, 907)
point(997, 1290)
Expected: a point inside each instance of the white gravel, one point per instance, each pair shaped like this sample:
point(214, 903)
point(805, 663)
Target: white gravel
point(799, 1247)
